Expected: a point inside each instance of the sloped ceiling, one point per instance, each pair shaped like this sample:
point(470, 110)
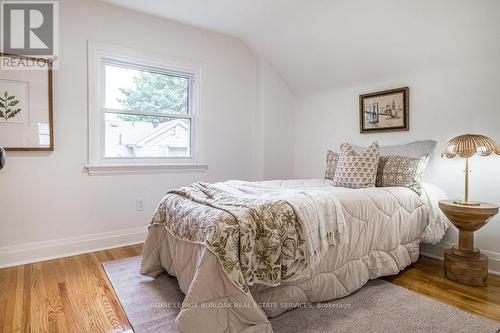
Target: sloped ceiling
point(325, 44)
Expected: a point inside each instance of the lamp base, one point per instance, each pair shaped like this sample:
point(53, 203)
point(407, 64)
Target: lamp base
point(466, 203)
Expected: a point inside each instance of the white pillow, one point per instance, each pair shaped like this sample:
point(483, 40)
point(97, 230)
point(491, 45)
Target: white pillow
point(415, 149)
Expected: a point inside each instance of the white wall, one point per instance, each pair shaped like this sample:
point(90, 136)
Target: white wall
point(48, 197)
point(276, 111)
point(446, 100)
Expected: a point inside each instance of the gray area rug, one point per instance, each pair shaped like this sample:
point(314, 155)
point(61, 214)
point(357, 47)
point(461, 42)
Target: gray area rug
point(151, 306)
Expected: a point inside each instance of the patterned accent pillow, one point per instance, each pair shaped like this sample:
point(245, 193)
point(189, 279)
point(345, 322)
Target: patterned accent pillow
point(381, 164)
point(332, 159)
point(404, 171)
point(357, 170)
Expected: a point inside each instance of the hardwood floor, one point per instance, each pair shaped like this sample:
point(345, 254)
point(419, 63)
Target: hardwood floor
point(70, 294)
point(426, 277)
point(73, 294)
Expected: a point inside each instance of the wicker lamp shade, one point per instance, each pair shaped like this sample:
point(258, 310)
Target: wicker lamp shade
point(469, 144)
point(466, 146)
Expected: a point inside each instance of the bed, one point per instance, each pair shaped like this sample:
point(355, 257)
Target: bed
point(243, 252)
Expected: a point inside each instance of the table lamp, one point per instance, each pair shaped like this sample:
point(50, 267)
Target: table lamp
point(465, 146)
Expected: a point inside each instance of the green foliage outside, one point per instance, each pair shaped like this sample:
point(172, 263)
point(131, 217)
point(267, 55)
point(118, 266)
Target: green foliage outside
point(7, 104)
point(155, 93)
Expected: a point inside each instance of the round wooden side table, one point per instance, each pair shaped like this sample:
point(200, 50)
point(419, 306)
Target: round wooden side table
point(466, 264)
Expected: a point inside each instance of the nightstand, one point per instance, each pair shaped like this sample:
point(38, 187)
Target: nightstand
point(466, 264)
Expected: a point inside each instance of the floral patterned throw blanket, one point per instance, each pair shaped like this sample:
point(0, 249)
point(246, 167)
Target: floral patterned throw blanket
point(256, 238)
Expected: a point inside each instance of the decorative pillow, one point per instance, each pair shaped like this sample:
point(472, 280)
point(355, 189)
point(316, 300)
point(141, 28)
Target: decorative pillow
point(404, 171)
point(332, 159)
point(381, 164)
point(357, 170)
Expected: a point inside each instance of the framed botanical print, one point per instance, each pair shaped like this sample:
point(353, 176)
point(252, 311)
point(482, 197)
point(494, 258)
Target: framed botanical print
point(386, 110)
point(26, 122)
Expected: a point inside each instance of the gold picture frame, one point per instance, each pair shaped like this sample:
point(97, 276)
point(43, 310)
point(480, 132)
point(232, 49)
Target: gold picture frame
point(385, 111)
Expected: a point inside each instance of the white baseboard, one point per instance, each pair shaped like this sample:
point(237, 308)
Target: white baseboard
point(59, 248)
point(437, 252)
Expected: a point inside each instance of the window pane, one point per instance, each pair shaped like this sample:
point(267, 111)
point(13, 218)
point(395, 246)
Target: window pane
point(139, 90)
point(130, 136)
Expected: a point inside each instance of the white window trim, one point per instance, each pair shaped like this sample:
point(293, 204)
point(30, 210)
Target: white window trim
point(97, 164)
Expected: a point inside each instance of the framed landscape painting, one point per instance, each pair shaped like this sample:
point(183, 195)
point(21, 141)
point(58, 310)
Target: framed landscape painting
point(386, 110)
point(26, 107)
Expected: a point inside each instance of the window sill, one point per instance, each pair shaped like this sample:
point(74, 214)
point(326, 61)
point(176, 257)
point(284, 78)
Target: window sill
point(142, 169)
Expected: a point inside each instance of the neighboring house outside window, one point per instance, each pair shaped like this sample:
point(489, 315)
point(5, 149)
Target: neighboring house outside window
point(147, 139)
point(143, 111)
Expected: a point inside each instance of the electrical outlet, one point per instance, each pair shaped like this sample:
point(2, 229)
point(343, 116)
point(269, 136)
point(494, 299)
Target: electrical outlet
point(139, 205)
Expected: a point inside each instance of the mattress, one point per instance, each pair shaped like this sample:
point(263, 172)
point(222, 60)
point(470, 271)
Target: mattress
point(384, 227)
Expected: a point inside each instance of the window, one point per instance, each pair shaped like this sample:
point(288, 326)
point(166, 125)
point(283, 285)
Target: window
point(142, 112)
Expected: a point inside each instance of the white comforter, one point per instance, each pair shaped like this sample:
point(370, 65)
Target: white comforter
point(377, 230)
point(317, 206)
point(324, 189)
